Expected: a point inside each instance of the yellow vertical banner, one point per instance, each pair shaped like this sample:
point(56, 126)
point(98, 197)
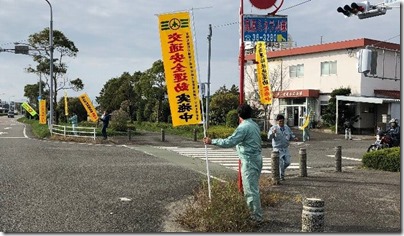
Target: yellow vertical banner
point(42, 111)
point(264, 86)
point(180, 68)
point(66, 105)
point(88, 105)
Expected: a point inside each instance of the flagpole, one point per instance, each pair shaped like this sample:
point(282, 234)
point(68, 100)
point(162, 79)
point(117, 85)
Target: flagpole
point(204, 119)
point(241, 96)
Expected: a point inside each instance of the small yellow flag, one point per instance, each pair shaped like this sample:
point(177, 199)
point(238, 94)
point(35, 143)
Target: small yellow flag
point(66, 107)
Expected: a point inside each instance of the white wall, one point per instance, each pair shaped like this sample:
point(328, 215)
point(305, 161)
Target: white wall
point(387, 68)
point(395, 111)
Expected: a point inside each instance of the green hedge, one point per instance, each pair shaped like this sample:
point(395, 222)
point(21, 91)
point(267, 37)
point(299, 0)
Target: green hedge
point(385, 159)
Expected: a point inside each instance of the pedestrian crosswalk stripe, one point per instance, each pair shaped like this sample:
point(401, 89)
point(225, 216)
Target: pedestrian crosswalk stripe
point(224, 157)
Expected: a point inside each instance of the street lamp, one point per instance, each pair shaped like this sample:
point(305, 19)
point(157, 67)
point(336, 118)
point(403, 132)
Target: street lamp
point(51, 65)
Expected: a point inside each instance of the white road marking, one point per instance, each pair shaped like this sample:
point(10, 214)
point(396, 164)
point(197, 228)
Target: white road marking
point(347, 158)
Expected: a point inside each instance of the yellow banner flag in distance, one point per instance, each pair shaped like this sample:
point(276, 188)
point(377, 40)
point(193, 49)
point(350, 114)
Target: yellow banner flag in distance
point(264, 86)
point(42, 111)
point(88, 105)
point(29, 109)
point(66, 107)
point(180, 68)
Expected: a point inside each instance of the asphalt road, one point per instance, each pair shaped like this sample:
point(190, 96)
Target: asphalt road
point(132, 186)
point(70, 187)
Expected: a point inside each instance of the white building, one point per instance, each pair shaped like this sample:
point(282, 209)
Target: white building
point(304, 77)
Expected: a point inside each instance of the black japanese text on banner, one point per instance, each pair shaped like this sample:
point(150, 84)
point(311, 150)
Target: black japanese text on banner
point(180, 68)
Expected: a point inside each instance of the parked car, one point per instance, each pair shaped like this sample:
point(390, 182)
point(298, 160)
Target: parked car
point(10, 114)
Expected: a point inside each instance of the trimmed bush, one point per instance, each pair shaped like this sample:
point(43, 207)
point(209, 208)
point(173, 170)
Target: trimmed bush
point(385, 159)
point(219, 131)
point(119, 120)
point(232, 119)
point(226, 211)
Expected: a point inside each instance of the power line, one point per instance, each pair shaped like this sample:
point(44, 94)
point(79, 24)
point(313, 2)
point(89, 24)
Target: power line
point(392, 38)
point(295, 5)
point(13, 43)
point(386, 40)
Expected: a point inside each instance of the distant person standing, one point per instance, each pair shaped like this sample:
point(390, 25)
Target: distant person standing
point(306, 127)
point(74, 122)
point(105, 122)
point(281, 134)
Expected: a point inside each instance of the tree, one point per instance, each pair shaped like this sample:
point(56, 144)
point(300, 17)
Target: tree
point(330, 113)
point(141, 95)
point(278, 82)
point(31, 91)
point(74, 105)
point(223, 101)
point(108, 99)
point(62, 47)
point(120, 93)
point(154, 79)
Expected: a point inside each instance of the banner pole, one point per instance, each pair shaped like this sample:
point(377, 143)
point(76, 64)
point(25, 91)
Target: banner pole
point(241, 96)
point(202, 108)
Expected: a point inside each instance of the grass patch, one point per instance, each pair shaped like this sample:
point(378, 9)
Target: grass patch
point(227, 210)
point(183, 131)
point(39, 130)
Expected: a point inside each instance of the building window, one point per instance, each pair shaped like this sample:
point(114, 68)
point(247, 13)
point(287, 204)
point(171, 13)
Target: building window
point(296, 71)
point(328, 68)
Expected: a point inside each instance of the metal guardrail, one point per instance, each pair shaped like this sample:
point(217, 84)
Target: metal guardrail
point(68, 131)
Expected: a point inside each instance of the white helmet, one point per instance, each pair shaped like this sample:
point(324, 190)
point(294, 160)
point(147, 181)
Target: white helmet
point(394, 120)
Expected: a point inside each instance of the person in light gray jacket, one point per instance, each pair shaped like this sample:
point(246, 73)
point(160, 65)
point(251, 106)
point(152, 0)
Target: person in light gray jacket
point(281, 134)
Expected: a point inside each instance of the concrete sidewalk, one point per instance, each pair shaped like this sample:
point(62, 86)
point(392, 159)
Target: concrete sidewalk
point(356, 200)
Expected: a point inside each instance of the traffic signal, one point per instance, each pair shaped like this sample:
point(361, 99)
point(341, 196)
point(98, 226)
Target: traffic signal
point(363, 10)
point(354, 9)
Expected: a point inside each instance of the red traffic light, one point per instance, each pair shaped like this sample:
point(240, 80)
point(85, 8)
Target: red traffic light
point(358, 8)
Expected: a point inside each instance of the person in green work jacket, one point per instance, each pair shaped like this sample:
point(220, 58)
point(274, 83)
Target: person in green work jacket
point(247, 139)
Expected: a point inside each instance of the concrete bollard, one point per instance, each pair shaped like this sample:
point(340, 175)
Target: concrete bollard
point(338, 158)
point(303, 162)
point(275, 167)
point(163, 138)
point(195, 135)
point(313, 215)
point(129, 134)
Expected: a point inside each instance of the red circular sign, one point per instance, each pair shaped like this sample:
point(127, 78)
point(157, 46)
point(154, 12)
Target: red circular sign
point(263, 4)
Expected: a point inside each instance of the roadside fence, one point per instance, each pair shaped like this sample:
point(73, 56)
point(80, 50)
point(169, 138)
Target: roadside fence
point(68, 131)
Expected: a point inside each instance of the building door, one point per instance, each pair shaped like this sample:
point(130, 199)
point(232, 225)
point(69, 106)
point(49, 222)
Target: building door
point(295, 116)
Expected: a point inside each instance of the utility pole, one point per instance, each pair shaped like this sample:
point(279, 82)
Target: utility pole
point(51, 65)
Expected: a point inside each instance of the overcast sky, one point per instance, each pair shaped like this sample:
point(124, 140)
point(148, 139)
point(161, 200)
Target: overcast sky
point(116, 36)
